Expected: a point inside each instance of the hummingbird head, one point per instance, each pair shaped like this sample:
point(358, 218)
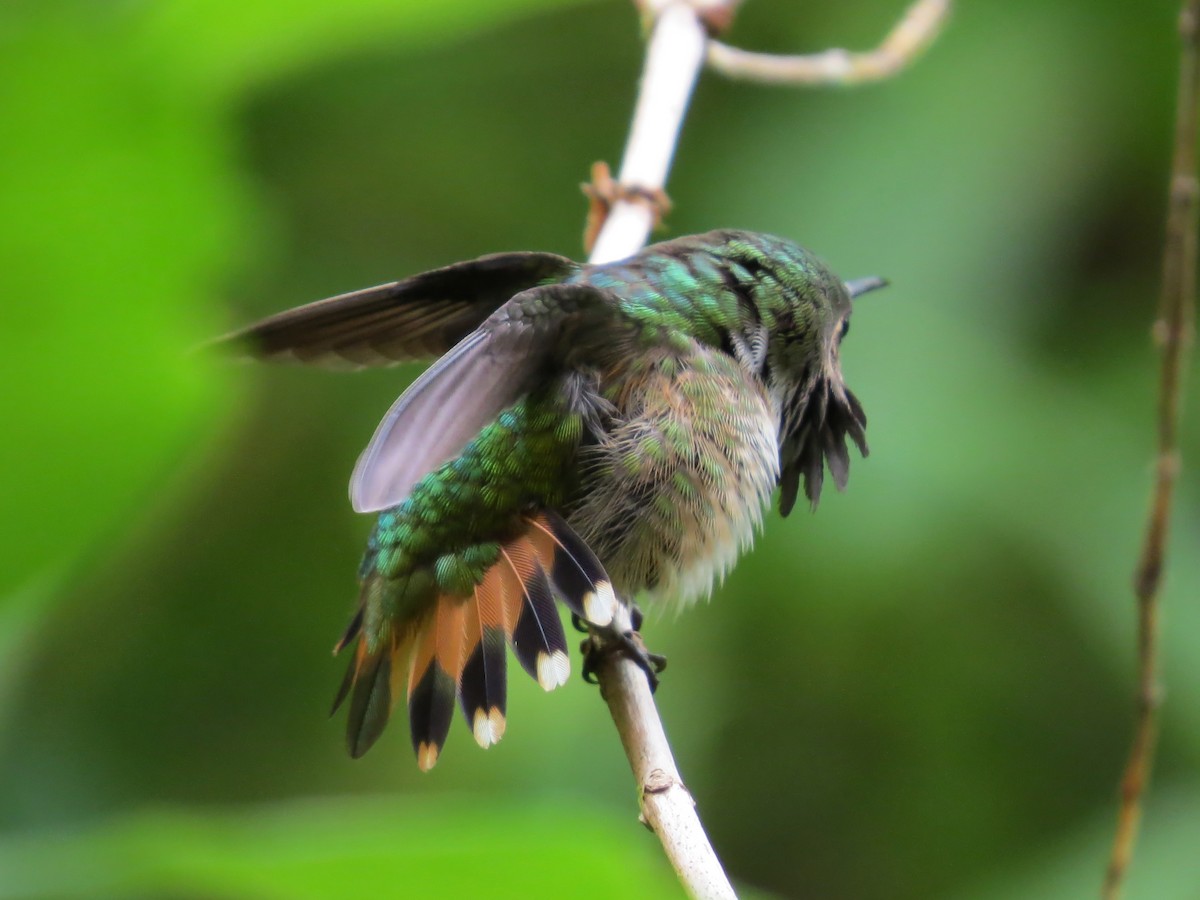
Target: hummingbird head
point(817, 411)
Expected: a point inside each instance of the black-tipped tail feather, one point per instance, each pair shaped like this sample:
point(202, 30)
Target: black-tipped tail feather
point(582, 583)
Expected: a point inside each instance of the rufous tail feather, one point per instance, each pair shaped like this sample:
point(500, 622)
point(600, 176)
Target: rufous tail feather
point(457, 649)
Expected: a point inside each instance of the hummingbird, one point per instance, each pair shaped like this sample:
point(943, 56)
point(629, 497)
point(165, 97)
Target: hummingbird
point(589, 434)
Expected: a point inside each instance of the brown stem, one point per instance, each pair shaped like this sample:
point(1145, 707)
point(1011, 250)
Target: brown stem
point(1174, 330)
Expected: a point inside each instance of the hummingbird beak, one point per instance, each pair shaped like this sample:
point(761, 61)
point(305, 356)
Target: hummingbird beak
point(860, 286)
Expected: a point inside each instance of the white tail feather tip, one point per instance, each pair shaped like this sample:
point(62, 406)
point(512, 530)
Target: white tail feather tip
point(600, 605)
point(427, 756)
point(553, 669)
point(488, 727)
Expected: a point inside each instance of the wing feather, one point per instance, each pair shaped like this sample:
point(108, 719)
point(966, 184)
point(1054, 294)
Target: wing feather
point(416, 318)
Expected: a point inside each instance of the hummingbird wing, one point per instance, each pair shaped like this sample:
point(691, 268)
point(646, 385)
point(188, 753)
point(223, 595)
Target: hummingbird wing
point(416, 318)
point(527, 339)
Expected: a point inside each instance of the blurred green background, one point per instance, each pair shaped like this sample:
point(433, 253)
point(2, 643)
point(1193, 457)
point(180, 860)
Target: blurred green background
point(922, 691)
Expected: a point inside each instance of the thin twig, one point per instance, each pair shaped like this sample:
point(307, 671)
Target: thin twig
point(911, 35)
point(667, 808)
point(1174, 330)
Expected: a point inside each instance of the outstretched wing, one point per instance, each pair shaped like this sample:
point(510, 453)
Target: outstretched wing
point(534, 334)
point(416, 318)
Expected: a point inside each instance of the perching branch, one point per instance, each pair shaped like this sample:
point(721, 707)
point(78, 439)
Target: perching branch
point(667, 808)
point(673, 60)
point(911, 35)
point(622, 214)
point(1174, 330)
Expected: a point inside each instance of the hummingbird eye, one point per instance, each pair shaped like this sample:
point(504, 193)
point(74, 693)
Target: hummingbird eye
point(845, 329)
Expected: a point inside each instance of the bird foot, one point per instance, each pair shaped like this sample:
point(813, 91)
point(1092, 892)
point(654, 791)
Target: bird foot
point(607, 641)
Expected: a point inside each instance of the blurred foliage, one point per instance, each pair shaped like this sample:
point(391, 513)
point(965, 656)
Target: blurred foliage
point(924, 690)
point(324, 849)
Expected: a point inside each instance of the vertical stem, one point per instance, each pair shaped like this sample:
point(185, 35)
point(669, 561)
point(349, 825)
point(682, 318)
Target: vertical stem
point(1174, 329)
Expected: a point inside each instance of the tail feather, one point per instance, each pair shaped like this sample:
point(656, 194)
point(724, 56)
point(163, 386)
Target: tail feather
point(371, 700)
point(350, 633)
point(535, 630)
point(457, 648)
point(433, 679)
point(343, 690)
point(482, 687)
point(580, 577)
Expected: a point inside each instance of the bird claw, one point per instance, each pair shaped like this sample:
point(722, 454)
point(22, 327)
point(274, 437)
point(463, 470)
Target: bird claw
point(608, 641)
